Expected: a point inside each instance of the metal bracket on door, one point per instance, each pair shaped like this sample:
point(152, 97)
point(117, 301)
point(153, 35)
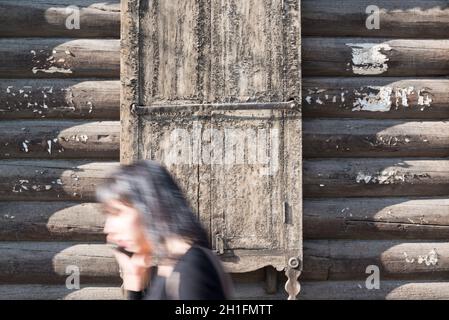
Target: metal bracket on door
point(208, 107)
point(293, 271)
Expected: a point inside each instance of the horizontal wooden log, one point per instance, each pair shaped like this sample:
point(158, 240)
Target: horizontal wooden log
point(375, 138)
point(53, 262)
point(60, 139)
point(396, 260)
point(389, 290)
point(59, 58)
point(375, 57)
point(310, 290)
point(363, 177)
point(376, 97)
point(51, 221)
point(366, 177)
point(67, 98)
point(59, 292)
point(397, 18)
point(52, 180)
point(367, 218)
point(48, 262)
point(376, 218)
point(44, 18)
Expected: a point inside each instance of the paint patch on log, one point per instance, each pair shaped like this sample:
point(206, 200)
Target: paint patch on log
point(381, 98)
point(430, 259)
point(368, 59)
point(378, 100)
point(388, 177)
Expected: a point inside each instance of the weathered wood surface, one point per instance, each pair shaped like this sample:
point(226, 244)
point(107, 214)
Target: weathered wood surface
point(228, 52)
point(51, 221)
point(376, 97)
point(375, 57)
point(51, 262)
point(59, 292)
point(377, 218)
point(310, 290)
point(52, 180)
point(389, 290)
point(225, 51)
point(54, 18)
point(370, 177)
point(367, 218)
point(46, 262)
point(343, 138)
point(129, 86)
point(64, 98)
point(398, 18)
point(59, 58)
point(396, 259)
point(60, 139)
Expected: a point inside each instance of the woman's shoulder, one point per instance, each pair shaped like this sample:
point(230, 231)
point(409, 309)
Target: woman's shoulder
point(197, 255)
point(198, 276)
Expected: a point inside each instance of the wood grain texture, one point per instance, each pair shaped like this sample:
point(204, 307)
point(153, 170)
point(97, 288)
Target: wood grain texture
point(343, 138)
point(369, 177)
point(389, 290)
point(54, 18)
point(129, 84)
point(377, 218)
point(59, 58)
point(310, 290)
point(51, 221)
point(60, 139)
point(47, 262)
point(53, 180)
point(376, 97)
point(225, 52)
point(220, 52)
point(59, 292)
point(63, 99)
point(375, 57)
point(396, 259)
point(398, 18)
point(358, 219)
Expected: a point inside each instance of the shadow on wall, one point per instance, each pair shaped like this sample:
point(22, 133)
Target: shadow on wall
point(48, 232)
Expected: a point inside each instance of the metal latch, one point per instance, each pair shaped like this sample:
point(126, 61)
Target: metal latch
point(219, 244)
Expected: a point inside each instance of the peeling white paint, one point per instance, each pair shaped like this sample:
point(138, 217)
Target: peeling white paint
point(25, 147)
point(52, 70)
point(407, 259)
point(363, 177)
point(309, 99)
point(388, 177)
point(424, 100)
point(402, 94)
point(375, 102)
point(429, 259)
point(49, 146)
point(367, 58)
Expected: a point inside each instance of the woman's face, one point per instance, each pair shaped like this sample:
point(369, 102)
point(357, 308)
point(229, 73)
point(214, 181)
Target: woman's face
point(124, 227)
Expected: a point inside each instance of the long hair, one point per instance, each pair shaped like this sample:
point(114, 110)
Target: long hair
point(149, 188)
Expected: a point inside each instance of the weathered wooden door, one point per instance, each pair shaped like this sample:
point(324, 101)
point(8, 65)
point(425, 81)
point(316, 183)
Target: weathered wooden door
point(212, 90)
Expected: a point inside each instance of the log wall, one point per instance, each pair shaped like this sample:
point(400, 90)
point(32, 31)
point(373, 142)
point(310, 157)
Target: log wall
point(376, 173)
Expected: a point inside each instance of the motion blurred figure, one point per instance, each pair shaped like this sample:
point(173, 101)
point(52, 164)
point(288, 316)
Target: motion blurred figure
point(162, 249)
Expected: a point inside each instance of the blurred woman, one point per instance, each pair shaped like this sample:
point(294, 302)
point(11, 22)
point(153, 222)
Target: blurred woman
point(162, 249)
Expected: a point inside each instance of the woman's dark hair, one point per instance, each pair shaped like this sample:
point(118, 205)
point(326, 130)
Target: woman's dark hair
point(149, 187)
